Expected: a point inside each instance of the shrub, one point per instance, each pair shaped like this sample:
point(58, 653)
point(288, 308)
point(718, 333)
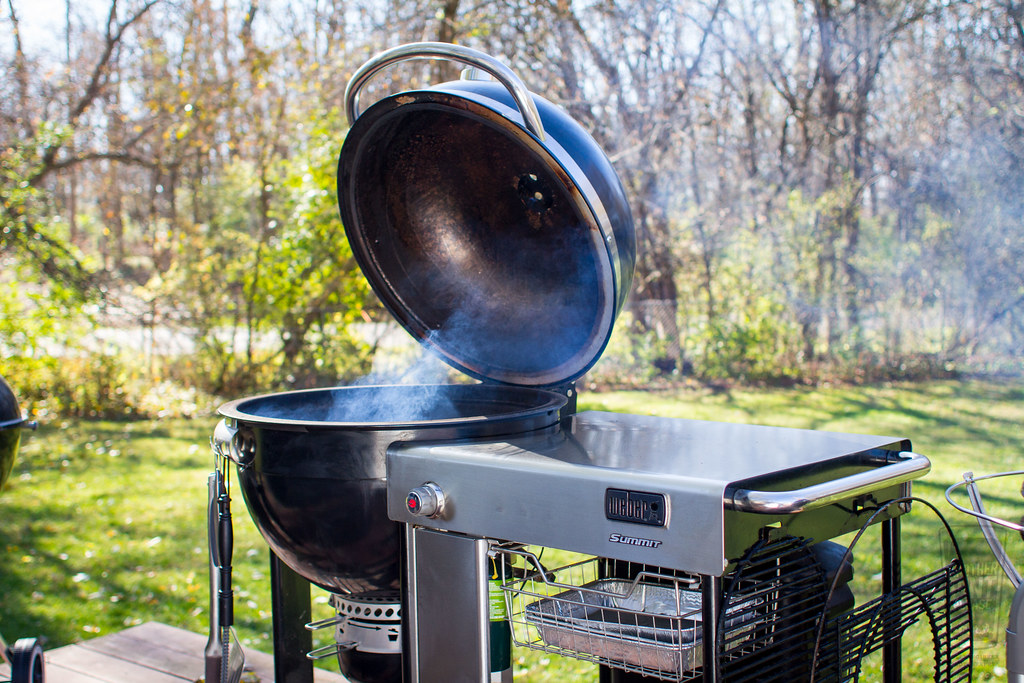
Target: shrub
point(99, 385)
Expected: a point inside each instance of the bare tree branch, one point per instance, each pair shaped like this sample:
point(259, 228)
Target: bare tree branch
point(100, 72)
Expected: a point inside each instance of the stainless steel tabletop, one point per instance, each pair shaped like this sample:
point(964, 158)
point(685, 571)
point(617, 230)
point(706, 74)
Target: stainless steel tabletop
point(552, 488)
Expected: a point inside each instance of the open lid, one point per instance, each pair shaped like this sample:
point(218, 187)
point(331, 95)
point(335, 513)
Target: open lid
point(506, 251)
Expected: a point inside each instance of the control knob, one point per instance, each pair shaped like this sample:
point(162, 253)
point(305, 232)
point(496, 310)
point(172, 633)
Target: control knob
point(425, 501)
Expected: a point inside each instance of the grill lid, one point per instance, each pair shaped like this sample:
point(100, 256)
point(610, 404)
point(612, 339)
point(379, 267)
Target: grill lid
point(504, 244)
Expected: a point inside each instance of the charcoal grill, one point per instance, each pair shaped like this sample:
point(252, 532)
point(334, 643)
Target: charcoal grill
point(25, 656)
point(493, 229)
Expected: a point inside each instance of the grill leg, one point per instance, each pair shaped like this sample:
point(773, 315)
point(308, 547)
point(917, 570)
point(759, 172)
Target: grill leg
point(892, 650)
point(711, 605)
point(446, 607)
point(292, 610)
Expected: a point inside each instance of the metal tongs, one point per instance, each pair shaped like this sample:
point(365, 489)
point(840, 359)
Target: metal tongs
point(1015, 624)
point(225, 660)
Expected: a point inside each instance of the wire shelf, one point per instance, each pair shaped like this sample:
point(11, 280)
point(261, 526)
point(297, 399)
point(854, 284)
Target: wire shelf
point(649, 624)
point(786, 613)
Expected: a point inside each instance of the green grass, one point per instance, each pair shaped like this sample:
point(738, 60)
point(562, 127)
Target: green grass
point(104, 527)
point(103, 523)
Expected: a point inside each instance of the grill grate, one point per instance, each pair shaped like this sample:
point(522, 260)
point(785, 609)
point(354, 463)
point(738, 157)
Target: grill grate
point(941, 598)
point(785, 587)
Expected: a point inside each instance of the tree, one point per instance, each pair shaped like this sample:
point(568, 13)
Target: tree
point(825, 182)
point(37, 148)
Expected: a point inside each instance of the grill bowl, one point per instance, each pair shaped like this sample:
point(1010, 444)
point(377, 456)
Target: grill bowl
point(312, 466)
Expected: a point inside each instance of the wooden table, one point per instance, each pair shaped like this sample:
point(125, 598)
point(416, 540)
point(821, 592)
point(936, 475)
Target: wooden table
point(148, 653)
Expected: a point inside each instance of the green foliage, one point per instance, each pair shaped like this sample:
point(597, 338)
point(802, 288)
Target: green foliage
point(100, 384)
point(35, 326)
point(316, 287)
point(25, 235)
point(754, 345)
point(31, 313)
point(629, 359)
point(55, 371)
point(276, 283)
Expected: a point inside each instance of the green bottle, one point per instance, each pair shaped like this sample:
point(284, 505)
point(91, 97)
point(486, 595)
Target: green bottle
point(500, 632)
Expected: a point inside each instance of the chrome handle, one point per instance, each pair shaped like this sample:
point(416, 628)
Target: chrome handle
point(330, 650)
point(911, 466)
point(335, 647)
point(454, 53)
point(989, 533)
point(228, 441)
point(979, 511)
point(223, 433)
point(20, 422)
point(326, 623)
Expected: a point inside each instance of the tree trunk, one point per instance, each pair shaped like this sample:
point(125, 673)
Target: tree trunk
point(447, 31)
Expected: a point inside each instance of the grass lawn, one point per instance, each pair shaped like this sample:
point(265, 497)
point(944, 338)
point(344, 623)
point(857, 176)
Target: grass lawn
point(104, 522)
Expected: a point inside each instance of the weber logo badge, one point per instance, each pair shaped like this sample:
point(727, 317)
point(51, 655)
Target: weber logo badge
point(633, 540)
point(635, 507)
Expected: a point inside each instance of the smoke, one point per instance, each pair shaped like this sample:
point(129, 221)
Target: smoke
point(526, 313)
point(406, 383)
point(399, 359)
point(394, 404)
point(521, 325)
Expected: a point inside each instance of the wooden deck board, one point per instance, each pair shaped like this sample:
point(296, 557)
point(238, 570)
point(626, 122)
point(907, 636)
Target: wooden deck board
point(147, 653)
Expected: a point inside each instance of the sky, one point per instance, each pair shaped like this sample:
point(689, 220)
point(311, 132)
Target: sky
point(42, 23)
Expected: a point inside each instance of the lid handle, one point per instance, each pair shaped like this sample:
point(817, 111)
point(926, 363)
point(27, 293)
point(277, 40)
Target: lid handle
point(454, 53)
point(909, 466)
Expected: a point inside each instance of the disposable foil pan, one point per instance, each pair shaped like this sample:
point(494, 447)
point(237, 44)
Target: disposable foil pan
point(647, 627)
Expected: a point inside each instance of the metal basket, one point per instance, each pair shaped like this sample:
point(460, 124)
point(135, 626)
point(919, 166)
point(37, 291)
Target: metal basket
point(778, 622)
point(650, 624)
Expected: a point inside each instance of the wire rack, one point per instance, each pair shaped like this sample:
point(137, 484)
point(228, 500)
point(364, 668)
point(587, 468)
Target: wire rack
point(780, 590)
point(784, 616)
point(648, 624)
point(939, 599)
